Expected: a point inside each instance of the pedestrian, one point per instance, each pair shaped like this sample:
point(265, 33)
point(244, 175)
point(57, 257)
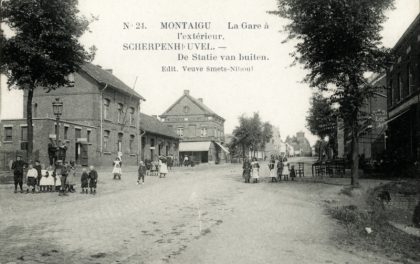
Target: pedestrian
point(292, 172)
point(84, 181)
point(285, 173)
point(141, 172)
point(57, 176)
point(246, 173)
point(148, 164)
point(62, 151)
point(38, 168)
point(163, 168)
point(18, 166)
point(255, 169)
point(52, 152)
point(51, 179)
point(271, 165)
point(279, 168)
point(186, 161)
point(43, 183)
point(31, 176)
point(71, 177)
point(93, 179)
point(154, 168)
point(116, 171)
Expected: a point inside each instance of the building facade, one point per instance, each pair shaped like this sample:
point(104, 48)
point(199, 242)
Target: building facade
point(403, 81)
point(100, 119)
point(200, 129)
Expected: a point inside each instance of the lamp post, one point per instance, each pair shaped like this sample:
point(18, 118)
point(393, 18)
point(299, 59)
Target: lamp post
point(57, 110)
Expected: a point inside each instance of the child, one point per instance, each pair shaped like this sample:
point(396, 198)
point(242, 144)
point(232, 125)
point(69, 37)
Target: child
point(71, 177)
point(31, 175)
point(285, 171)
point(279, 168)
point(163, 168)
point(142, 172)
point(38, 168)
point(154, 169)
point(43, 183)
point(116, 171)
point(292, 173)
point(51, 178)
point(57, 177)
point(255, 169)
point(85, 181)
point(93, 179)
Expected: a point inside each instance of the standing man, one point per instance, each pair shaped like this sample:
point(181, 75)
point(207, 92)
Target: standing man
point(17, 167)
point(62, 150)
point(52, 152)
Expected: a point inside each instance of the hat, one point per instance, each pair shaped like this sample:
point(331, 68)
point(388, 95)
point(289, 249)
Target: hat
point(59, 161)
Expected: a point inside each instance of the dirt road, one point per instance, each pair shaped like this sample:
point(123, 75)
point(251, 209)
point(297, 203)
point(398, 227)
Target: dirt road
point(195, 215)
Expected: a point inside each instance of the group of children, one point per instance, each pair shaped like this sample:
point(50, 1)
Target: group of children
point(251, 170)
point(61, 178)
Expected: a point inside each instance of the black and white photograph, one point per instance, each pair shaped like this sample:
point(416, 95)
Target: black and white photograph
point(209, 132)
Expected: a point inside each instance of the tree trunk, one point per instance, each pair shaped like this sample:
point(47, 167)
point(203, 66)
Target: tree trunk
point(243, 152)
point(29, 124)
point(354, 153)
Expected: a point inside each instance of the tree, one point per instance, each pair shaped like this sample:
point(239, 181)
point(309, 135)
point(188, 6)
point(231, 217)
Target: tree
point(322, 120)
point(338, 42)
point(44, 48)
point(251, 133)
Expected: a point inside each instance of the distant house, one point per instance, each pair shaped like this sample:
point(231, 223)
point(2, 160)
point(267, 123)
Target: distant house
point(100, 119)
point(200, 129)
point(299, 145)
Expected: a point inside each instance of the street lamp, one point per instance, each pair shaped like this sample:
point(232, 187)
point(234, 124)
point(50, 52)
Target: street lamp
point(57, 110)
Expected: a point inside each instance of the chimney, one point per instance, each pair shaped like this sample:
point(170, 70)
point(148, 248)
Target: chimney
point(200, 100)
point(108, 70)
point(187, 92)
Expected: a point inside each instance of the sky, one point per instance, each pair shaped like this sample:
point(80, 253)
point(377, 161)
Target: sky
point(273, 88)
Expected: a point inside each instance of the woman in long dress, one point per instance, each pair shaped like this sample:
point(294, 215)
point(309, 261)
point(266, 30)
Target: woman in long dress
point(255, 170)
point(286, 171)
point(116, 171)
point(163, 167)
point(71, 177)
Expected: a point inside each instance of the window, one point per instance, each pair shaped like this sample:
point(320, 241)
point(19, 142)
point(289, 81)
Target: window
point(131, 117)
point(8, 134)
point(119, 142)
point(70, 79)
point(78, 133)
point(186, 109)
point(106, 108)
point(152, 142)
point(66, 132)
point(106, 139)
point(400, 88)
point(131, 144)
point(180, 131)
point(24, 133)
point(390, 93)
point(409, 79)
point(88, 135)
point(203, 132)
point(119, 113)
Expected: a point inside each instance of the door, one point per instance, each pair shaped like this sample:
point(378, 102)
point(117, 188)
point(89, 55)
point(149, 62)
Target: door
point(84, 155)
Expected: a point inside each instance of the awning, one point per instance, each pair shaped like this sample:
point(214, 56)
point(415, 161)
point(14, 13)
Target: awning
point(194, 146)
point(396, 116)
point(223, 148)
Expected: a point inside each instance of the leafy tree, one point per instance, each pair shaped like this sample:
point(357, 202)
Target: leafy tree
point(338, 42)
point(251, 133)
point(322, 120)
point(44, 48)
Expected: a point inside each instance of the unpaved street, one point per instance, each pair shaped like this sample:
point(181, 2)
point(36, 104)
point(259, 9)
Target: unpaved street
point(195, 215)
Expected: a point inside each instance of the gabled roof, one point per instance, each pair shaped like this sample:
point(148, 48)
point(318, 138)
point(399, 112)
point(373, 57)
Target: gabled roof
point(104, 77)
point(154, 126)
point(202, 106)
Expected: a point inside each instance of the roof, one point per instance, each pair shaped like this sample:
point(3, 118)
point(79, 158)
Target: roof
point(194, 146)
point(105, 77)
point(202, 106)
point(407, 32)
point(154, 126)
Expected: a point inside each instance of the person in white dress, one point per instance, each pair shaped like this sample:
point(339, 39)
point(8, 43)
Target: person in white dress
point(116, 171)
point(286, 170)
point(163, 167)
point(255, 170)
point(50, 179)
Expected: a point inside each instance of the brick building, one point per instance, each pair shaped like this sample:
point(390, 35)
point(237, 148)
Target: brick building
point(100, 118)
point(201, 130)
point(157, 138)
point(403, 81)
